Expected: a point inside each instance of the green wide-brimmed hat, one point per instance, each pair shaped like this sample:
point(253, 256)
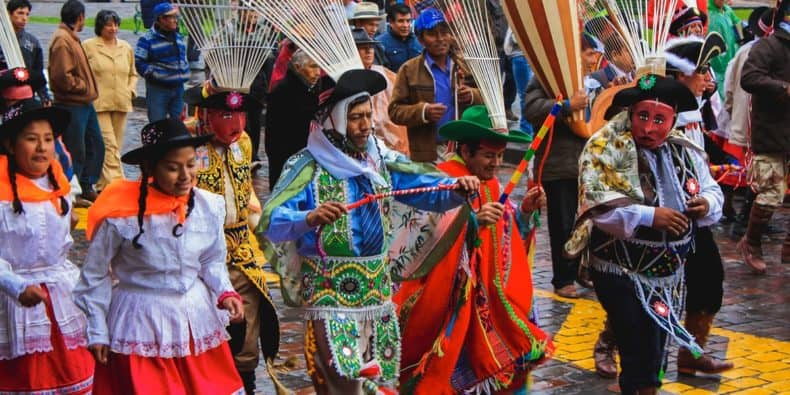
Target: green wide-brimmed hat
point(476, 125)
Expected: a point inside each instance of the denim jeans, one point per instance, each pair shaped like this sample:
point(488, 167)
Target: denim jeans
point(164, 101)
point(84, 141)
point(522, 74)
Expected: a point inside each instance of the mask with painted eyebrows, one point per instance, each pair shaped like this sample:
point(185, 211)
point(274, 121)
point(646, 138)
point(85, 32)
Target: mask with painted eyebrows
point(651, 122)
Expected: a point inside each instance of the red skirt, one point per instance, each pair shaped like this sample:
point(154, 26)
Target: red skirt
point(60, 371)
point(211, 372)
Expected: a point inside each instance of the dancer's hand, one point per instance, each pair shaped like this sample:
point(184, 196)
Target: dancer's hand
point(468, 184)
point(535, 199)
point(235, 307)
point(100, 352)
point(669, 220)
point(465, 94)
point(32, 295)
point(490, 213)
point(698, 207)
point(325, 214)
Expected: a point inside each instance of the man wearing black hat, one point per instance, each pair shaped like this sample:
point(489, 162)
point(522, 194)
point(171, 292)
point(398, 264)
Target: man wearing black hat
point(332, 259)
point(688, 61)
point(688, 21)
point(766, 75)
point(224, 168)
point(641, 198)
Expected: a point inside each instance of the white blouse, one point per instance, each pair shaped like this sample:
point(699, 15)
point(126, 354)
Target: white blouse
point(166, 290)
point(33, 250)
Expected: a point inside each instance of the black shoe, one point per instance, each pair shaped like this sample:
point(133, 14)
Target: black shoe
point(248, 379)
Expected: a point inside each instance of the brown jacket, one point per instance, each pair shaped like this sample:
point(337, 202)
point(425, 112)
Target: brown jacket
point(70, 75)
point(413, 90)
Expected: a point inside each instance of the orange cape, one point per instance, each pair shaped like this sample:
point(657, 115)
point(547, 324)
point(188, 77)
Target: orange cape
point(28, 190)
point(471, 329)
point(119, 199)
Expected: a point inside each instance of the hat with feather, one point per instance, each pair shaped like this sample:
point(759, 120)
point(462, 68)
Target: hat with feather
point(688, 55)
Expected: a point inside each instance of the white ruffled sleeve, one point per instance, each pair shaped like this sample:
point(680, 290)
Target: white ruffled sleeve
point(11, 284)
point(213, 269)
point(94, 289)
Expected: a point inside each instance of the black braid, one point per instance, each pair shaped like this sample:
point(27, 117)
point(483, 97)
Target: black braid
point(141, 206)
point(190, 206)
point(17, 204)
point(64, 205)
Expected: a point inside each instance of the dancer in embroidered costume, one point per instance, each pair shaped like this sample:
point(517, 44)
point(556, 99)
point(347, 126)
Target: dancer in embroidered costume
point(644, 191)
point(42, 332)
point(160, 329)
point(688, 61)
point(224, 168)
point(469, 323)
point(333, 262)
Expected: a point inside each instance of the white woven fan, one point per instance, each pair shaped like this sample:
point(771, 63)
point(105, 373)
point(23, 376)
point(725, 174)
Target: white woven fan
point(234, 40)
point(318, 27)
point(470, 25)
point(9, 43)
point(594, 14)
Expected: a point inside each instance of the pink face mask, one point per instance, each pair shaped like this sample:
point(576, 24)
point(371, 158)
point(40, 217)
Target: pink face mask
point(651, 122)
point(227, 126)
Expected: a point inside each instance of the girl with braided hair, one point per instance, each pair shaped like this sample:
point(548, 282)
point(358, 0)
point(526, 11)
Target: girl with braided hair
point(42, 332)
point(161, 328)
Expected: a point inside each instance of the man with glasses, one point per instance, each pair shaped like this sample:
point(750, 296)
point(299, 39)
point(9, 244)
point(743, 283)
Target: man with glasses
point(161, 58)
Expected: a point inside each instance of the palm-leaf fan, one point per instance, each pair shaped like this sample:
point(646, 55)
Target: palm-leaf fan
point(645, 33)
point(233, 39)
point(597, 23)
point(470, 25)
point(318, 27)
point(550, 36)
point(9, 43)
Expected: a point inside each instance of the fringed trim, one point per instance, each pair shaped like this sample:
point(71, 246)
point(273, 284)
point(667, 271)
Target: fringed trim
point(278, 386)
point(602, 266)
point(354, 313)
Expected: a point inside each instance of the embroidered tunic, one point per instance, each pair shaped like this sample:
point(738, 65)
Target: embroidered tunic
point(33, 250)
point(167, 290)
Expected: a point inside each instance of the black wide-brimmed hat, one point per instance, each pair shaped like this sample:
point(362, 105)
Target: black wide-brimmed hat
point(687, 54)
point(658, 88)
point(353, 82)
point(161, 136)
point(684, 17)
point(761, 21)
point(19, 114)
point(361, 36)
point(229, 101)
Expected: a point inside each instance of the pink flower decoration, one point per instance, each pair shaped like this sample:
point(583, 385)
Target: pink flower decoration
point(234, 101)
point(661, 309)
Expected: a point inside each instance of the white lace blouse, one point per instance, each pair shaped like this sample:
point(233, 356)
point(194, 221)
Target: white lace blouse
point(33, 250)
point(167, 290)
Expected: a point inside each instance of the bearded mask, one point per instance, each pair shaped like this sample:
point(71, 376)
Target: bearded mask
point(651, 122)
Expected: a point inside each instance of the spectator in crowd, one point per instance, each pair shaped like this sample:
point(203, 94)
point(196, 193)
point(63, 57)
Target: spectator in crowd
point(292, 106)
point(112, 62)
point(399, 43)
point(350, 6)
point(560, 178)
point(394, 136)
point(74, 88)
point(161, 58)
point(688, 21)
point(724, 21)
point(766, 75)
point(522, 73)
point(368, 17)
point(427, 88)
point(19, 11)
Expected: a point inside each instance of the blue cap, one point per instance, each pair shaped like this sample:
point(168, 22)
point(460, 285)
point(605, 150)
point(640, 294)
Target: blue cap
point(162, 9)
point(428, 19)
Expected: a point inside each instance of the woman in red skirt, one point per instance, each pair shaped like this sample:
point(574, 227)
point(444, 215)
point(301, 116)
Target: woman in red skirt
point(42, 332)
point(161, 328)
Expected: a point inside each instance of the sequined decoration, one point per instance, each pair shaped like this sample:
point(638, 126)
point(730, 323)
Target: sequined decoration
point(343, 336)
point(387, 342)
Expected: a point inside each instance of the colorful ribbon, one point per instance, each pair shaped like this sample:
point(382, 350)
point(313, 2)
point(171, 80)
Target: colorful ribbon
point(522, 167)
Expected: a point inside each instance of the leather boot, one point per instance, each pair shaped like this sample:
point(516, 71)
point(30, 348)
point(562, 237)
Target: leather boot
point(750, 246)
point(699, 324)
point(603, 353)
point(248, 379)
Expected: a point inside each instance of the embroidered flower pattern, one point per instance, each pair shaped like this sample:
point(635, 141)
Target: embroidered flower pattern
point(151, 135)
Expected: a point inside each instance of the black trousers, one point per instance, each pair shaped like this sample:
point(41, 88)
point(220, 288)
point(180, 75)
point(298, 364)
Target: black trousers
point(562, 199)
point(640, 341)
point(253, 127)
point(704, 274)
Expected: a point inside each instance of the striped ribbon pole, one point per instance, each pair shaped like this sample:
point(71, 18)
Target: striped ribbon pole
point(378, 196)
point(522, 167)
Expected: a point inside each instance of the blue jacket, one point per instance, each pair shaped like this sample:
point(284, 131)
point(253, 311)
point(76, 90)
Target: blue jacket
point(147, 11)
point(161, 59)
point(397, 50)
